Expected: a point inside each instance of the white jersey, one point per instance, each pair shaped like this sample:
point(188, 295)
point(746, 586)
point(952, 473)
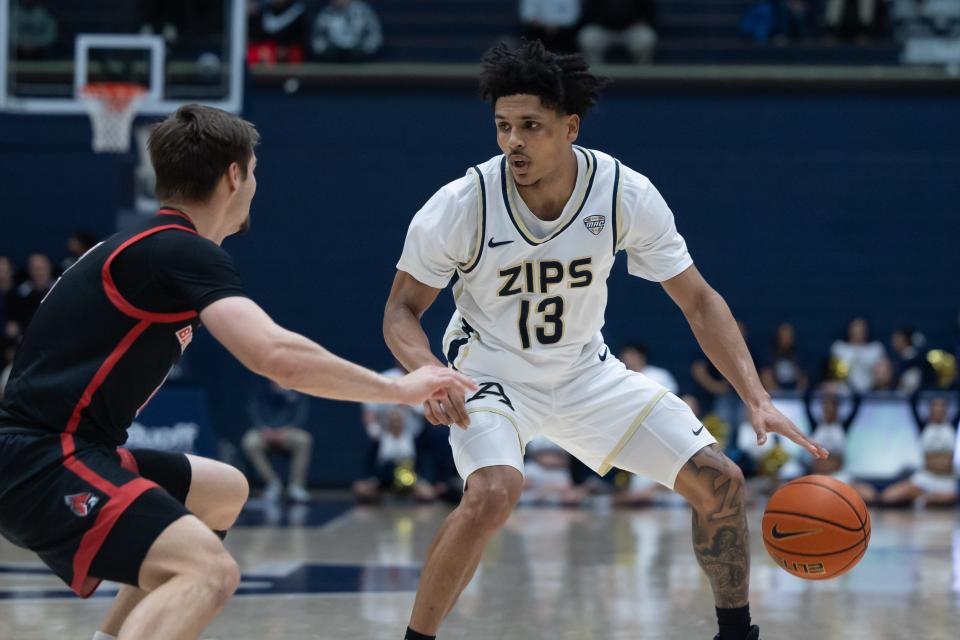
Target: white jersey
point(938, 438)
point(531, 294)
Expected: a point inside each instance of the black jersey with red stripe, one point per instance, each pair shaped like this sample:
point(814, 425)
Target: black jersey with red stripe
point(112, 327)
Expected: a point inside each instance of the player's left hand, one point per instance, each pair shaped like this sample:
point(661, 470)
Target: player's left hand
point(766, 418)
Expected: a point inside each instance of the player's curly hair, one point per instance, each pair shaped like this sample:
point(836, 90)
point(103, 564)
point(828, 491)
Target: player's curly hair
point(563, 82)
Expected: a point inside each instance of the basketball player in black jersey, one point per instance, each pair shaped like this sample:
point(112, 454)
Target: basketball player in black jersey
point(100, 346)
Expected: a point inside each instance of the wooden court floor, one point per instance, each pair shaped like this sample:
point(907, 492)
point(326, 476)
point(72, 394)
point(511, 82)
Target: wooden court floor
point(332, 571)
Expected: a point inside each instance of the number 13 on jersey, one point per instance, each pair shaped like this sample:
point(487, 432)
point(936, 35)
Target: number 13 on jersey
point(543, 276)
point(551, 331)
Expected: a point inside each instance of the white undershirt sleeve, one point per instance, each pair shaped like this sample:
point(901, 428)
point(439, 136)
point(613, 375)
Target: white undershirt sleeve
point(655, 250)
point(442, 234)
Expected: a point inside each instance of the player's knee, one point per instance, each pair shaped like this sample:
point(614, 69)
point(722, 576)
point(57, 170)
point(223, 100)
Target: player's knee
point(726, 488)
point(733, 473)
point(731, 478)
point(234, 493)
point(218, 493)
point(219, 577)
point(489, 506)
point(237, 488)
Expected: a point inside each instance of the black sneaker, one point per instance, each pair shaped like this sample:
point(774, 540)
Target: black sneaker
point(753, 634)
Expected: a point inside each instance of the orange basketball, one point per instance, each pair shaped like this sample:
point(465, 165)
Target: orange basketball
point(816, 527)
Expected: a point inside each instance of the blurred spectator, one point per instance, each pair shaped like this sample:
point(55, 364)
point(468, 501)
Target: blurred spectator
point(781, 20)
point(883, 376)
point(853, 18)
point(726, 403)
point(553, 22)
point(34, 30)
point(392, 458)
point(188, 27)
point(905, 344)
point(857, 355)
point(936, 482)
point(278, 416)
point(783, 370)
point(277, 31)
point(830, 430)
point(6, 286)
point(547, 475)
point(776, 460)
point(162, 17)
point(347, 30)
point(759, 20)
point(8, 349)
point(925, 18)
point(795, 19)
point(28, 296)
point(77, 245)
point(629, 24)
point(634, 356)
point(405, 453)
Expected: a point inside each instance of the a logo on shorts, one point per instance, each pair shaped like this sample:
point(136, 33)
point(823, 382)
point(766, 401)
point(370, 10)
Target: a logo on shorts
point(185, 337)
point(595, 224)
point(698, 431)
point(81, 503)
point(491, 389)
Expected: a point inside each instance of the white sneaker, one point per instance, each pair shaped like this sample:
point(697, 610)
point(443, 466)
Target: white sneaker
point(272, 493)
point(298, 494)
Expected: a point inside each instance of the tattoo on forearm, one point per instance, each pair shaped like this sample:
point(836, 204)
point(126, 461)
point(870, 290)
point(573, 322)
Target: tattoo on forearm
point(720, 530)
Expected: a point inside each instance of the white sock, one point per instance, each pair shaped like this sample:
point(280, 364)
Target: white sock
point(100, 635)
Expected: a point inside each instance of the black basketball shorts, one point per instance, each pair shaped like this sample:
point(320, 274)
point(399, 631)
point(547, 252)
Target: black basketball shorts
point(92, 515)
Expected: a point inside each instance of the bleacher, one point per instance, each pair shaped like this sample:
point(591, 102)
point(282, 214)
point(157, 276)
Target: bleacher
point(691, 32)
point(443, 30)
point(708, 32)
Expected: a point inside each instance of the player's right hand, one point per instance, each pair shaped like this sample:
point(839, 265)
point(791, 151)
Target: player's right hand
point(433, 383)
point(447, 411)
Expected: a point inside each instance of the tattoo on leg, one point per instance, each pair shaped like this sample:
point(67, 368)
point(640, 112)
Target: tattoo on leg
point(720, 529)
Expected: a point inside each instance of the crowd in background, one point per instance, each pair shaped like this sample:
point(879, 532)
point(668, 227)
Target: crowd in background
point(403, 454)
point(22, 289)
point(292, 31)
point(613, 31)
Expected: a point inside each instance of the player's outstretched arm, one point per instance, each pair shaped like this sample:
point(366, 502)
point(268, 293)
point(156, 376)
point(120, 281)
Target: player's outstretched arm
point(295, 362)
point(409, 299)
point(720, 338)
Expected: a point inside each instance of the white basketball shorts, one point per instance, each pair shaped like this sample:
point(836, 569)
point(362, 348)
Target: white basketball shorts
point(604, 414)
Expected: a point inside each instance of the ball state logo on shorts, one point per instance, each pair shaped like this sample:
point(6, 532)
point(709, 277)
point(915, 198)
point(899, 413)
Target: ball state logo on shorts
point(81, 503)
point(595, 224)
point(185, 336)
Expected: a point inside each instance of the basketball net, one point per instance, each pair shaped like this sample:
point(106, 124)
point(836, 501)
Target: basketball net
point(111, 107)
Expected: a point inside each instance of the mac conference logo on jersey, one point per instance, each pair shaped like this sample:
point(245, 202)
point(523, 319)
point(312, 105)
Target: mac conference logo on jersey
point(595, 224)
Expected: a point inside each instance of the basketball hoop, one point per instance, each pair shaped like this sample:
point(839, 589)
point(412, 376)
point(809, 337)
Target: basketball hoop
point(111, 107)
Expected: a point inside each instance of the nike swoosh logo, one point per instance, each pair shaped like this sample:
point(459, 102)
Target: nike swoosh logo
point(780, 535)
point(603, 356)
point(698, 431)
point(494, 245)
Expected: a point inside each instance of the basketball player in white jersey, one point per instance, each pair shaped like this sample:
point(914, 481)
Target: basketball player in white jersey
point(532, 235)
